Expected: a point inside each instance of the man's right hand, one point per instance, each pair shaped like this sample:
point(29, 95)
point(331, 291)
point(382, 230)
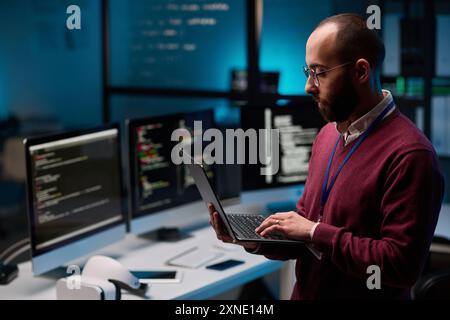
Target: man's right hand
point(221, 231)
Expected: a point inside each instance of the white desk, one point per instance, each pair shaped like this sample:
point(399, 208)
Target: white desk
point(138, 253)
point(442, 230)
point(443, 225)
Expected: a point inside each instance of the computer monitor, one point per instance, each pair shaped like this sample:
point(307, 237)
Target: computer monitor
point(298, 127)
point(157, 186)
point(74, 195)
point(269, 81)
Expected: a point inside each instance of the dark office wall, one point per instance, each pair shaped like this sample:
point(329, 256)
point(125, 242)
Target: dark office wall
point(3, 64)
point(287, 25)
point(177, 44)
point(47, 71)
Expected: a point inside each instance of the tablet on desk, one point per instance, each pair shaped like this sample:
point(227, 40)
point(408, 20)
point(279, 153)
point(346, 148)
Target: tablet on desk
point(158, 276)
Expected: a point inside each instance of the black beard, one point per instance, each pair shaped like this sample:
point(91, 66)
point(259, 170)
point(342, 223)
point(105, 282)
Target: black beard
point(342, 104)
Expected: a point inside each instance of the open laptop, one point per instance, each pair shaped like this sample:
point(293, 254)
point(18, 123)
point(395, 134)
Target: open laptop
point(240, 226)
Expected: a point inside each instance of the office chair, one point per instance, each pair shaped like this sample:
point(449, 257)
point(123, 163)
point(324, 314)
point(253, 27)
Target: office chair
point(433, 286)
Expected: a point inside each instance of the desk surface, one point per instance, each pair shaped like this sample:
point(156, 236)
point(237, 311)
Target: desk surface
point(443, 225)
point(137, 253)
point(142, 254)
point(442, 230)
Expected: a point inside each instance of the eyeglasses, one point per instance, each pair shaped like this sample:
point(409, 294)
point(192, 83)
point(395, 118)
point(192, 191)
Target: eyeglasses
point(312, 73)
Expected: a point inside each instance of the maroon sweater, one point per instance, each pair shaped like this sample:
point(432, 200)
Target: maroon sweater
point(382, 211)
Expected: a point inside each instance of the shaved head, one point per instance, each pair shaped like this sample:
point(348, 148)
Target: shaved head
point(347, 58)
point(353, 40)
point(321, 45)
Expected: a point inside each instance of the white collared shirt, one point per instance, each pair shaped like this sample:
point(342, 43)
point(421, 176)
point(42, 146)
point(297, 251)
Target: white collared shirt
point(356, 128)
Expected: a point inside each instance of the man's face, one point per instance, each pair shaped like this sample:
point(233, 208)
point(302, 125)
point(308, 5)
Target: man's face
point(336, 95)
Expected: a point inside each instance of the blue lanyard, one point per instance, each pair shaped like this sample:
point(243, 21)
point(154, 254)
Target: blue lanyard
point(325, 191)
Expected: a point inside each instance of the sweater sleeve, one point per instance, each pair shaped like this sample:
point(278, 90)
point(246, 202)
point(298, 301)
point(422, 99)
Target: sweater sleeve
point(410, 206)
point(286, 251)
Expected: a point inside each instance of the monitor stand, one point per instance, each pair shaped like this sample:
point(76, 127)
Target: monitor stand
point(173, 234)
point(166, 235)
point(281, 199)
point(170, 234)
point(282, 206)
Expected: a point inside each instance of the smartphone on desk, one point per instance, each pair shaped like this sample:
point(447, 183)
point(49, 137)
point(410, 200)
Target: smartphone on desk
point(158, 276)
point(220, 266)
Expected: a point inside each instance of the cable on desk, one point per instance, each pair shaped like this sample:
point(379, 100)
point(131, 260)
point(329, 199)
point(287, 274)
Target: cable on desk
point(17, 253)
point(15, 250)
point(8, 272)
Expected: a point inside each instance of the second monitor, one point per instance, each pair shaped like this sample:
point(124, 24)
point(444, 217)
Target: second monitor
point(158, 187)
point(298, 127)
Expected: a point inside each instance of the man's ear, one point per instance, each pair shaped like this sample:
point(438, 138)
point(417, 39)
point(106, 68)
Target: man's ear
point(362, 69)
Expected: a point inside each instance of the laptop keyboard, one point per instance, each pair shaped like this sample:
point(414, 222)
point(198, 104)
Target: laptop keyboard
point(245, 225)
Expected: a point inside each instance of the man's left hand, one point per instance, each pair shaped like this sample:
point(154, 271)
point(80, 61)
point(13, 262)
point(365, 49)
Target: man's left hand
point(291, 224)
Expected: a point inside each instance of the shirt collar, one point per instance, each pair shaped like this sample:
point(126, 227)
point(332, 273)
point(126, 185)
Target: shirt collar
point(361, 124)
